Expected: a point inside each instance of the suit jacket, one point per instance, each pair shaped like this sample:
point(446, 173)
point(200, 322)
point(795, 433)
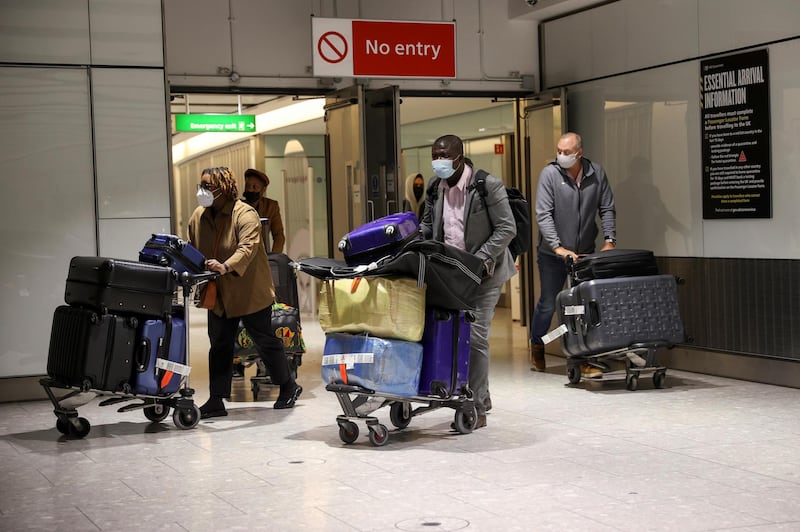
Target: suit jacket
point(487, 229)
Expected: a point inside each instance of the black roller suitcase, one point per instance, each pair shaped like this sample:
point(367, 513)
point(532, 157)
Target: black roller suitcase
point(91, 350)
point(284, 278)
point(602, 315)
point(120, 286)
point(614, 263)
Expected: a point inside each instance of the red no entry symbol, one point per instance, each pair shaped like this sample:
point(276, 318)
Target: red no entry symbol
point(332, 47)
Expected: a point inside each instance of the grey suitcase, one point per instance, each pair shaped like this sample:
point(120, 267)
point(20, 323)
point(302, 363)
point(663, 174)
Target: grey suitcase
point(602, 315)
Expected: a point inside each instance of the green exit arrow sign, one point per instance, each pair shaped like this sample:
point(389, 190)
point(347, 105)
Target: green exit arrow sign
point(216, 123)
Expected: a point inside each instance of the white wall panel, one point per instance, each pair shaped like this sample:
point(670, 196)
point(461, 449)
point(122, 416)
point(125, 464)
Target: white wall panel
point(126, 32)
point(131, 143)
point(44, 31)
point(123, 238)
point(730, 24)
point(660, 32)
point(198, 38)
point(48, 214)
point(565, 59)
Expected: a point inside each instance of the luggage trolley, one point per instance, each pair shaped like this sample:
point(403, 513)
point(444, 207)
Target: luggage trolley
point(430, 374)
point(355, 402)
point(156, 407)
point(625, 319)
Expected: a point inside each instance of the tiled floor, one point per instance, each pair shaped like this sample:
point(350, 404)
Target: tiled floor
point(704, 453)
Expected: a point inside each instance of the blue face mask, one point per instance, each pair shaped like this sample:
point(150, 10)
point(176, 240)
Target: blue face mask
point(443, 168)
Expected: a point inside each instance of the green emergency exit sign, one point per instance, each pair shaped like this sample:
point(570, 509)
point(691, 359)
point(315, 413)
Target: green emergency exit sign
point(216, 123)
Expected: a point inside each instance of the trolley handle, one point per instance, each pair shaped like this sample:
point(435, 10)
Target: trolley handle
point(187, 279)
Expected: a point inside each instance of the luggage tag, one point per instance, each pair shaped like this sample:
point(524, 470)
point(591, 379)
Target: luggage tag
point(561, 330)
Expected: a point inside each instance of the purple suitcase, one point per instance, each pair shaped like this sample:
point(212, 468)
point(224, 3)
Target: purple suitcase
point(169, 250)
point(602, 315)
point(159, 339)
point(379, 238)
point(445, 353)
point(90, 350)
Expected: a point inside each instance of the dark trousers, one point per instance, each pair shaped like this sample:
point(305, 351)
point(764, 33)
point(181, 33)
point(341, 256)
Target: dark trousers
point(222, 335)
point(552, 276)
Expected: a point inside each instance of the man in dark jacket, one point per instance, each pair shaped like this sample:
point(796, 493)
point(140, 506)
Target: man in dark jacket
point(458, 216)
point(572, 191)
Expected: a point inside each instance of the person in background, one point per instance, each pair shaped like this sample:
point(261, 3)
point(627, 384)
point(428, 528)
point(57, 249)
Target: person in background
point(415, 195)
point(572, 192)
point(458, 216)
point(228, 232)
point(255, 186)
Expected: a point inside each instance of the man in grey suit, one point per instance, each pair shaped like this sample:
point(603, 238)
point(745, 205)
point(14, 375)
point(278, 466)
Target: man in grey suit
point(457, 215)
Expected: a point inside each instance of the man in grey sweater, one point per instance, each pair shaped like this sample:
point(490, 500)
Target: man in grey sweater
point(572, 191)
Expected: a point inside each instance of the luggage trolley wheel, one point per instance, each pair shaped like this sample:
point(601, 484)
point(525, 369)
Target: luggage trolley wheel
point(574, 374)
point(659, 377)
point(632, 381)
point(464, 422)
point(348, 431)
point(78, 427)
point(400, 414)
point(378, 434)
point(156, 413)
point(186, 418)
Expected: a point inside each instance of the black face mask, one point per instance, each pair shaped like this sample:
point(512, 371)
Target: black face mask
point(251, 197)
point(418, 190)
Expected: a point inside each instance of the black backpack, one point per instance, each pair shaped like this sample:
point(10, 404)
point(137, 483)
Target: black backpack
point(520, 208)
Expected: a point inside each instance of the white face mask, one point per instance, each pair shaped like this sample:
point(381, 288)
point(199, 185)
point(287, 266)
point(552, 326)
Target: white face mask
point(204, 197)
point(566, 161)
point(443, 168)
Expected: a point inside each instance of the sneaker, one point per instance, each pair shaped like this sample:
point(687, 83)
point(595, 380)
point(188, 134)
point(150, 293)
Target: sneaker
point(238, 371)
point(536, 356)
point(289, 400)
point(591, 372)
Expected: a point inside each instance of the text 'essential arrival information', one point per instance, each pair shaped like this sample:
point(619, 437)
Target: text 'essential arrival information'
point(373, 48)
point(734, 104)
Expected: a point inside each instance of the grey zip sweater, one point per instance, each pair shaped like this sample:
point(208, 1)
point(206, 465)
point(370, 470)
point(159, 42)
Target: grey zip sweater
point(566, 213)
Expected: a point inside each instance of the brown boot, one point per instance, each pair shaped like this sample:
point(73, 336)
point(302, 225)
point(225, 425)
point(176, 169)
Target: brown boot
point(537, 357)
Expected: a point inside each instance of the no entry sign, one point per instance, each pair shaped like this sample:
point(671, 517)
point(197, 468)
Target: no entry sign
point(382, 48)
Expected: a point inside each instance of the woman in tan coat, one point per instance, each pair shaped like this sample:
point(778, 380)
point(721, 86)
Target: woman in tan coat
point(228, 232)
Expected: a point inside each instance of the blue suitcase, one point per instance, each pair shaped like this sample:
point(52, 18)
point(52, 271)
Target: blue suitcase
point(159, 339)
point(169, 250)
point(445, 353)
point(385, 366)
point(379, 238)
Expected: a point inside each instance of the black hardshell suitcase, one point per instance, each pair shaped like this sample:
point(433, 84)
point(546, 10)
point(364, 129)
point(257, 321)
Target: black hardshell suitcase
point(91, 350)
point(284, 278)
point(614, 263)
point(602, 315)
point(120, 286)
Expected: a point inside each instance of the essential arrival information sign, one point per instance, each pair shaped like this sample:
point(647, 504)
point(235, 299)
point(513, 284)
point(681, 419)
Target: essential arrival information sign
point(734, 108)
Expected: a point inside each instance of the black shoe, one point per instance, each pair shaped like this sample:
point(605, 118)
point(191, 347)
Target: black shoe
point(238, 371)
point(214, 407)
point(487, 403)
point(289, 400)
